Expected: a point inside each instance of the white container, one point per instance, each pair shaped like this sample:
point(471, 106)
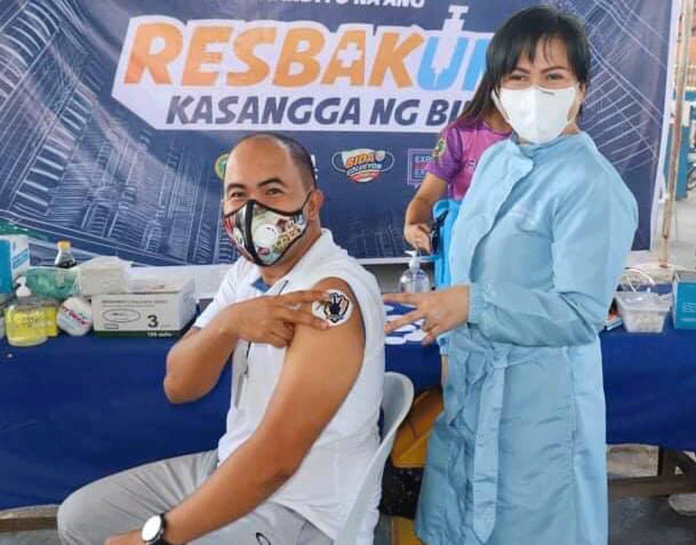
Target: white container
point(161, 309)
point(75, 317)
point(643, 311)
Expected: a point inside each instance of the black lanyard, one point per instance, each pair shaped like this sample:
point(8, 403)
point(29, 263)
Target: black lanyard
point(244, 374)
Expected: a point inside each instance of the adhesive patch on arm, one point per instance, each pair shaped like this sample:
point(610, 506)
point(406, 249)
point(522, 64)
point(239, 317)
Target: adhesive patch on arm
point(336, 310)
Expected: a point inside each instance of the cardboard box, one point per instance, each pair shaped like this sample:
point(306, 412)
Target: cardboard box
point(156, 311)
point(14, 260)
point(684, 293)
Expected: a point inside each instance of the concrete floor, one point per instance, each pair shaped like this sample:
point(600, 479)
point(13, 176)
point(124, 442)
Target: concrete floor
point(647, 521)
point(640, 521)
point(40, 537)
point(633, 521)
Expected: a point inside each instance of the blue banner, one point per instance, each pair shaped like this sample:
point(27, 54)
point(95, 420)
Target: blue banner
point(113, 113)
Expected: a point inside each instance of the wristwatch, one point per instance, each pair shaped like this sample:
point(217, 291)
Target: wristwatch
point(153, 530)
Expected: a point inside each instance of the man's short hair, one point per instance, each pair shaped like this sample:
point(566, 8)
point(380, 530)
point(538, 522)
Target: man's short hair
point(299, 156)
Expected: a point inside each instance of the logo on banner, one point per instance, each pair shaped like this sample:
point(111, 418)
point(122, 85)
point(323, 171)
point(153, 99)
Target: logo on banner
point(263, 74)
point(417, 161)
point(221, 165)
point(363, 165)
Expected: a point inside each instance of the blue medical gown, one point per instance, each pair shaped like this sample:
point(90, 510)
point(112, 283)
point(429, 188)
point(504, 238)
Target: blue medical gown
point(518, 455)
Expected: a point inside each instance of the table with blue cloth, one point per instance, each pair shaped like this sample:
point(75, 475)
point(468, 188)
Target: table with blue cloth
point(76, 409)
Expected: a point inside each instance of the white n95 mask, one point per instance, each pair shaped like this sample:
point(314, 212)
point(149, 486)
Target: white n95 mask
point(536, 114)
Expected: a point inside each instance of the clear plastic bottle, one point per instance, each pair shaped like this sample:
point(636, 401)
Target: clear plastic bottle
point(25, 319)
point(414, 279)
point(64, 258)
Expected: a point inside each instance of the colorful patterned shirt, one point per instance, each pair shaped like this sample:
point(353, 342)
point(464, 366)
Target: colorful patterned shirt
point(457, 153)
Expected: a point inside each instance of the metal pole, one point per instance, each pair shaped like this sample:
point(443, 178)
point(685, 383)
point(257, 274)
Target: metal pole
point(687, 14)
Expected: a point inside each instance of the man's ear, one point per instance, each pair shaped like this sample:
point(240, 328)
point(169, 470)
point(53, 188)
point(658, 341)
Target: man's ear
point(316, 200)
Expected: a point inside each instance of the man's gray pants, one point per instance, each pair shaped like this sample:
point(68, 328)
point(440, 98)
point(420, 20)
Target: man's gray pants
point(122, 502)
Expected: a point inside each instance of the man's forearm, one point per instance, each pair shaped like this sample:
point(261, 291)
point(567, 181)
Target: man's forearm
point(194, 364)
point(241, 483)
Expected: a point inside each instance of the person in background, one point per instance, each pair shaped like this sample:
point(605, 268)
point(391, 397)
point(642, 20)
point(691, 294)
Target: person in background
point(518, 454)
point(304, 324)
point(449, 173)
point(454, 159)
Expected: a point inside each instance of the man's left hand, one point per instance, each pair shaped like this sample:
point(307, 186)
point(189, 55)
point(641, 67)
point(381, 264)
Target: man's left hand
point(440, 310)
point(131, 538)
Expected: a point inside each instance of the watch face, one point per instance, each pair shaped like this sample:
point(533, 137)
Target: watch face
point(152, 529)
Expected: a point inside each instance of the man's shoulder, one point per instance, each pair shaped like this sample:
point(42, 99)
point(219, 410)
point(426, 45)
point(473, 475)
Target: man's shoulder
point(333, 261)
point(338, 263)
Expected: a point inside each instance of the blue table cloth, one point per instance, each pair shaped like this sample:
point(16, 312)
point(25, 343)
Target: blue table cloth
point(650, 387)
point(73, 410)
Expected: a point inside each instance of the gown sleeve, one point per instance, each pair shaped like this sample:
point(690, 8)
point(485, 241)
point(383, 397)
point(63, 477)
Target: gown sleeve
point(593, 227)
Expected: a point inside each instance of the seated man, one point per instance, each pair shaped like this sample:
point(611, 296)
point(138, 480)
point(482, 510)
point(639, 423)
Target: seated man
point(304, 325)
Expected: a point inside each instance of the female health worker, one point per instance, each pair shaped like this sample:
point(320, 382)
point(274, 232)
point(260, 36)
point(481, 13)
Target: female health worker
point(518, 455)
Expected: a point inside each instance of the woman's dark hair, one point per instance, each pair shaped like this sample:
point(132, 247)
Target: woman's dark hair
point(525, 31)
point(480, 105)
point(521, 35)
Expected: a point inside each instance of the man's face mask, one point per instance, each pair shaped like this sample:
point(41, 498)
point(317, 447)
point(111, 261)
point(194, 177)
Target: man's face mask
point(262, 234)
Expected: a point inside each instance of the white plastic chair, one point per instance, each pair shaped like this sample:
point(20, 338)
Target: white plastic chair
point(396, 402)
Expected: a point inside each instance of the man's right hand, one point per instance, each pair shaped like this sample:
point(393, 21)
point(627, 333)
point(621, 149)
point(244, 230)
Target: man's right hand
point(418, 236)
point(271, 319)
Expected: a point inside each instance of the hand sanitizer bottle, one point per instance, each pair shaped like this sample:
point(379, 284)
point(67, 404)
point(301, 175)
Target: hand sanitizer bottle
point(414, 279)
point(25, 319)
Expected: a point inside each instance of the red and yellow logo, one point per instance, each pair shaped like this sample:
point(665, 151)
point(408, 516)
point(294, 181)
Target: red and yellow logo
point(363, 165)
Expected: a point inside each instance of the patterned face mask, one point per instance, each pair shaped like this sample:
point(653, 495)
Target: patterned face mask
point(262, 234)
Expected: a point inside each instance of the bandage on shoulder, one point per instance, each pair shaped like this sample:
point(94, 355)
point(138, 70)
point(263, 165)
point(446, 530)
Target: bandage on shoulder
point(336, 309)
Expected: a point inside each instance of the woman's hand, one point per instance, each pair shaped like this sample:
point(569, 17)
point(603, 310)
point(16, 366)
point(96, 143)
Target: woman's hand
point(418, 236)
point(440, 311)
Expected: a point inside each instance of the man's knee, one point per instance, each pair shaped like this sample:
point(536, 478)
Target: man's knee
point(72, 515)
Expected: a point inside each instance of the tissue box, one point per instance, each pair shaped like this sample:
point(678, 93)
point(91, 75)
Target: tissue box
point(684, 307)
point(14, 260)
point(104, 274)
point(161, 310)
